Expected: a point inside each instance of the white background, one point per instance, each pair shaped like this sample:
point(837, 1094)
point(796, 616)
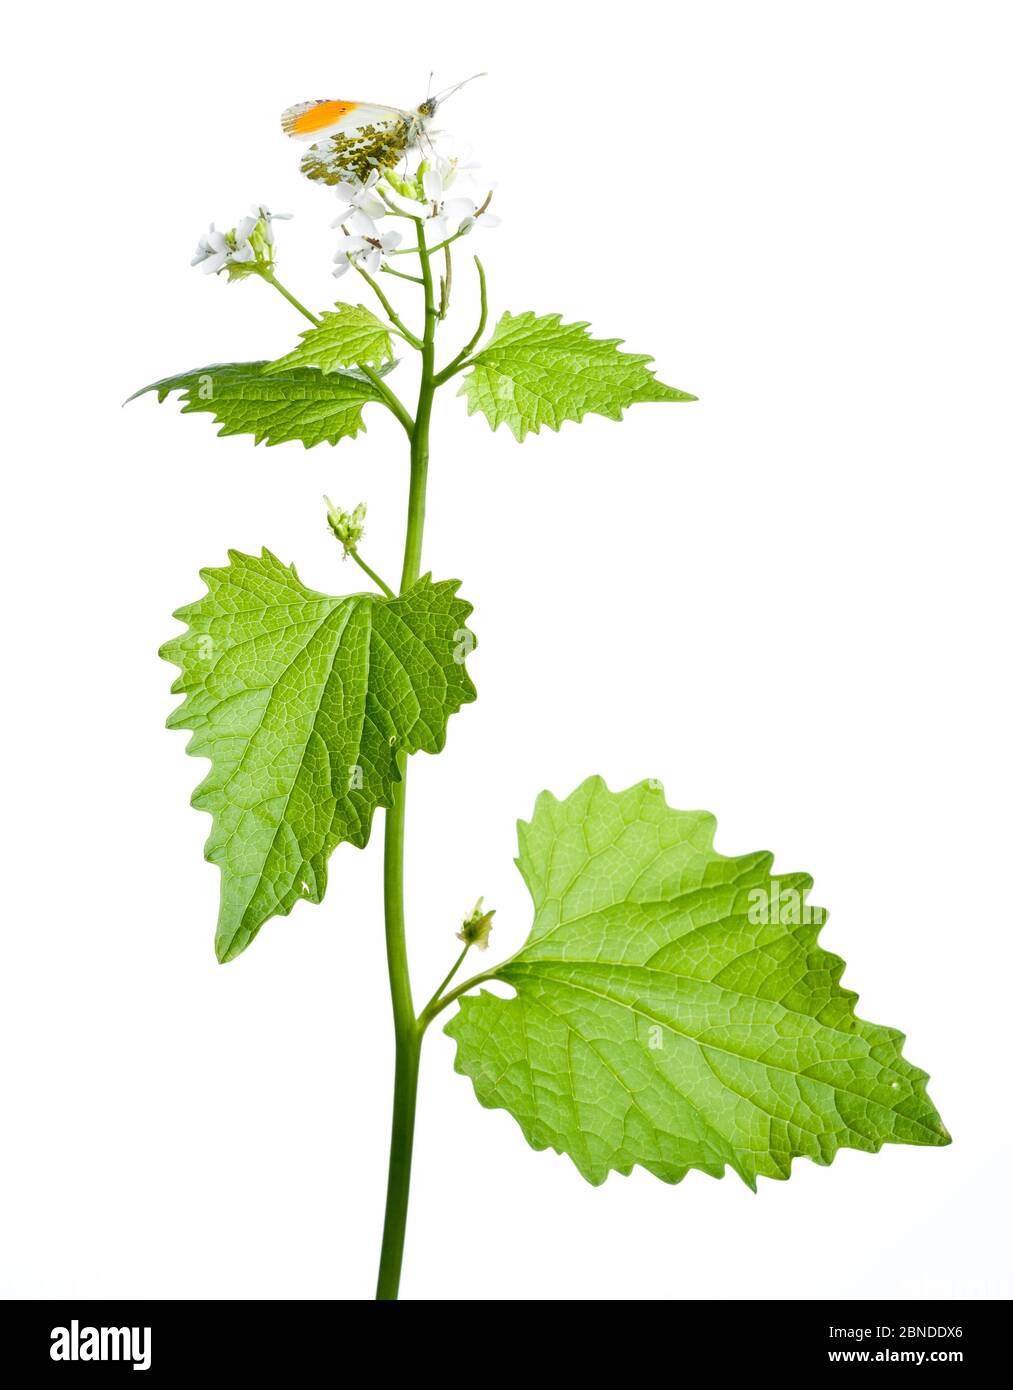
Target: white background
point(789, 601)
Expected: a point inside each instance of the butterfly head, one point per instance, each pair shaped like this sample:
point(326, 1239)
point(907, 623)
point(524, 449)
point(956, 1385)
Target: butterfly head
point(426, 110)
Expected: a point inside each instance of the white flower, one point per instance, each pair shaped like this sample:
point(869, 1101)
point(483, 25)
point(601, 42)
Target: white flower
point(455, 162)
point(216, 250)
point(444, 217)
point(249, 242)
point(265, 215)
point(212, 251)
point(366, 251)
point(359, 198)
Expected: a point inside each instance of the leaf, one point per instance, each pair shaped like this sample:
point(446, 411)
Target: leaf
point(350, 335)
point(303, 703)
point(306, 404)
point(539, 371)
point(660, 1020)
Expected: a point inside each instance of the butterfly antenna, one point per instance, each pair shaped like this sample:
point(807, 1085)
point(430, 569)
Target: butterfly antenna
point(449, 91)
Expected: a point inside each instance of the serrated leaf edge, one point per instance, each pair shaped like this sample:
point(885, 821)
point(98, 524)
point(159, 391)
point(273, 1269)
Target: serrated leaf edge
point(449, 587)
point(920, 1079)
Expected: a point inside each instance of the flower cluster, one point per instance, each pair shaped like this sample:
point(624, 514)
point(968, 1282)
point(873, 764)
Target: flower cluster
point(248, 249)
point(348, 527)
point(388, 194)
point(363, 243)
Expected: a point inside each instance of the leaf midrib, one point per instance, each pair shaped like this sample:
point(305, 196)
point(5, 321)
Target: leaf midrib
point(351, 606)
point(773, 1066)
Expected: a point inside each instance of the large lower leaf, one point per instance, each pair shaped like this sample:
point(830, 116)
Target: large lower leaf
point(301, 403)
point(303, 703)
point(539, 371)
point(673, 1008)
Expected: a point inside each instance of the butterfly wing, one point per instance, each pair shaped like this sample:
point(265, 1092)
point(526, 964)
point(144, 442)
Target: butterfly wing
point(313, 120)
point(351, 138)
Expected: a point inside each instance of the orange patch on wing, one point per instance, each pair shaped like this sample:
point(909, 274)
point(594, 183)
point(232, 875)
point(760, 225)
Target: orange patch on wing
point(318, 117)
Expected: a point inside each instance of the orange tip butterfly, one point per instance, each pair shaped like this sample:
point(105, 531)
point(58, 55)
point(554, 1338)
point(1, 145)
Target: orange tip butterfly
point(352, 138)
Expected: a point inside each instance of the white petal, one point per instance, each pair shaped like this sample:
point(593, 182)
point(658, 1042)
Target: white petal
point(361, 223)
point(242, 254)
point(455, 210)
point(373, 259)
point(411, 207)
point(466, 226)
point(372, 207)
point(340, 268)
point(389, 240)
point(436, 231)
point(489, 219)
point(245, 227)
point(216, 240)
point(350, 246)
point(432, 185)
point(215, 262)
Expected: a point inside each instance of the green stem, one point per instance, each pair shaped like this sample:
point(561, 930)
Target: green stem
point(407, 1044)
point(388, 308)
point(446, 981)
point(440, 1001)
point(391, 401)
point(407, 1032)
point(389, 270)
point(413, 250)
point(271, 280)
point(420, 434)
point(462, 357)
point(372, 573)
point(446, 280)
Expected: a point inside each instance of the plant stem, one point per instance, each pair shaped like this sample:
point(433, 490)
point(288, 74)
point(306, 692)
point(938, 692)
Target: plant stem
point(407, 1033)
point(440, 1001)
point(407, 1043)
point(420, 434)
point(446, 280)
point(388, 308)
point(391, 401)
point(446, 981)
point(458, 362)
point(372, 573)
point(270, 278)
point(389, 270)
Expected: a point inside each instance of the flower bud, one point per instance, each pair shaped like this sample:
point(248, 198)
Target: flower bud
point(476, 928)
point(347, 526)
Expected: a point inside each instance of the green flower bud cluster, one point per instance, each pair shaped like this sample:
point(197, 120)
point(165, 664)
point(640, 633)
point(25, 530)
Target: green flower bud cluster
point(348, 527)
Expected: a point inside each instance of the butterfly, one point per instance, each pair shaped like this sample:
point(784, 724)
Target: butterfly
point(352, 138)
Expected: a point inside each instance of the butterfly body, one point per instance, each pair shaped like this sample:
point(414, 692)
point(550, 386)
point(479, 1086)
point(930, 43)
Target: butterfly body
point(352, 138)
